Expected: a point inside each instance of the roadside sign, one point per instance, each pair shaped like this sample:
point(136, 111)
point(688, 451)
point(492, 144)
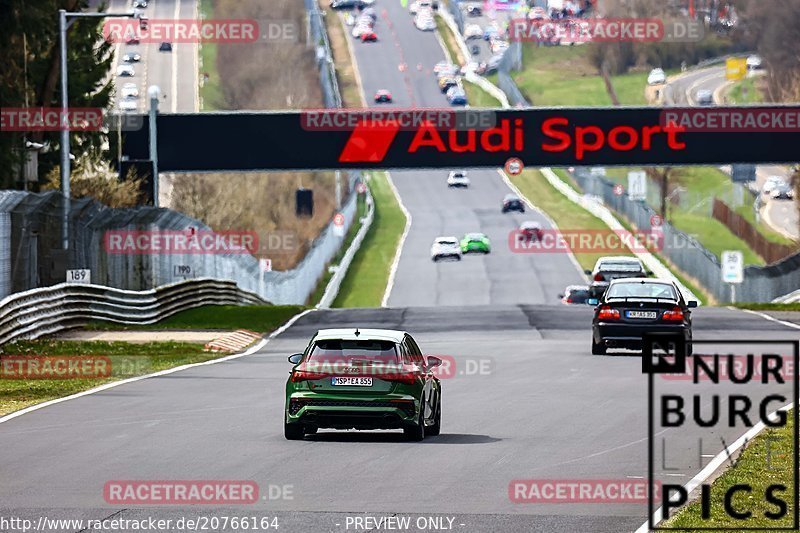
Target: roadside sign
point(618, 189)
point(655, 220)
point(732, 266)
point(735, 68)
point(598, 171)
point(637, 185)
point(338, 225)
point(743, 173)
point(514, 166)
point(80, 275)
point(265, 264)
point(361, 187)
point(180, 271)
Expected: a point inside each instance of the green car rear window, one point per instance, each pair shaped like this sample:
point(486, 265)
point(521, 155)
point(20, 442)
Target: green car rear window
point(346, 351)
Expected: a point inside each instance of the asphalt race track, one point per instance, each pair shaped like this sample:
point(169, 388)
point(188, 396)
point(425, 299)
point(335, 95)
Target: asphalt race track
point(538, 407)
point(402, 61)
point(526, 400)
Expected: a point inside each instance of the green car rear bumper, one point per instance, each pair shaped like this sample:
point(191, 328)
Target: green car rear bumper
point(338, 411)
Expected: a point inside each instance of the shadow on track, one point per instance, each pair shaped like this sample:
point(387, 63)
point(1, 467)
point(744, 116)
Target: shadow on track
point(364, 436)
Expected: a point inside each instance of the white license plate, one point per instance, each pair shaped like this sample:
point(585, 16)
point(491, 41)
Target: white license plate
point(642, 314)
point(351, 382)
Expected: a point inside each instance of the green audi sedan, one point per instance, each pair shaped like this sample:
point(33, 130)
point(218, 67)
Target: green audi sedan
point(475, 242)
point(363, 379)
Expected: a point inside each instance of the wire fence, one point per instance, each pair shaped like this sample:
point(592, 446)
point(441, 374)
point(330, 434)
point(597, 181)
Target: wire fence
point(761, 284)
point(322, 47)
point(31, 254)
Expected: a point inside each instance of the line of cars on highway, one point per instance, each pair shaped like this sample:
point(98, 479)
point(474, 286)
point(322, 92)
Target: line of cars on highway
point(448, 78)
point(128, 100)
point(364, 24)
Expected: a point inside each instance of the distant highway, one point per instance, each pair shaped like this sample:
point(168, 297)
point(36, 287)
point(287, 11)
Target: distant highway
point(782, 215)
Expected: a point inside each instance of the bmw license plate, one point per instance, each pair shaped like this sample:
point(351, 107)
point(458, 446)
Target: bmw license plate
point(641, 314)
point(351, 381)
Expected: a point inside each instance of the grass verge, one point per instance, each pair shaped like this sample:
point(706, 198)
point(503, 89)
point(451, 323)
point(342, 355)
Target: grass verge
point(368, 275)
point(766, 461)
point(746, 91)
point(768, 306)
point(259, 318)
point(210, 88)
point(571, 216)
point(345, 72)
point(564, 76)
point(706, 183)
point(450, 42)
point(566, 214)
point(322, 284)
point(101, 362)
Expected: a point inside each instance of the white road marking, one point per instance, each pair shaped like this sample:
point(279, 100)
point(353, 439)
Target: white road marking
point(770, 318)
point(701, 80)
point(107, 386)
point(715, 463)
point(399, 252)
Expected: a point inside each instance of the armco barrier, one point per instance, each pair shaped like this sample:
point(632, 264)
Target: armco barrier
point(332, 290)
point(761, 284)
point(37, 312)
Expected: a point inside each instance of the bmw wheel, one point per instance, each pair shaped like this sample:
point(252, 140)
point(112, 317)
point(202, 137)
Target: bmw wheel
point(598, 349)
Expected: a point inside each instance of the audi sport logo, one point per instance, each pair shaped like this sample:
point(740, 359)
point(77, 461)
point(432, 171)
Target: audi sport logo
point(370, 140)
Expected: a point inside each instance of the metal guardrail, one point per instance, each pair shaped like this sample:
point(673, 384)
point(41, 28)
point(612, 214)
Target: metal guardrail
point(332, 289)
point(37, 312)
point(790, 298)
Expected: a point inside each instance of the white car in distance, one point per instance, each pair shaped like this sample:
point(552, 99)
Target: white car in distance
point(772, 183)
point(125, 70)
point(445, 248)
point(656, 77)
point(129, 90)
point(128, 105)
point(458, 178)
point(473, 31)
point(419, 5)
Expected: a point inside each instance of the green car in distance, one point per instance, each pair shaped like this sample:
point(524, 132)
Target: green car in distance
point(475, 242)
point(363, 379)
